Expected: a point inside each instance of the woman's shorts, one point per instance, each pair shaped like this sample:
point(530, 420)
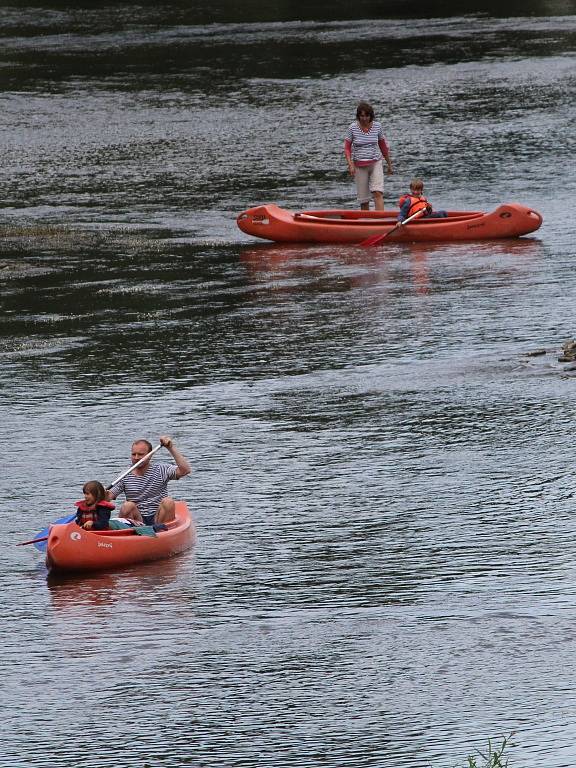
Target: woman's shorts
point(369, 178)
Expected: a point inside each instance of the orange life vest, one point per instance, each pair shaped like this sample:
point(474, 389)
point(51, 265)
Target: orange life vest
point(98, 514)
point(417, 203)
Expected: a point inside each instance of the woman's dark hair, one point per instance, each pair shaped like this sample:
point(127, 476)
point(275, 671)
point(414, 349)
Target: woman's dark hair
point(96, 489)
point(363, 106)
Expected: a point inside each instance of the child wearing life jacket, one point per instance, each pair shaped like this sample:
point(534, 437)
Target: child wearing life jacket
point(93, 512)
point(415, 201)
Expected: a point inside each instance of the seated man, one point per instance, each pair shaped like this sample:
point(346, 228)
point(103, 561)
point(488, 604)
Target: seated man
point(146, 487)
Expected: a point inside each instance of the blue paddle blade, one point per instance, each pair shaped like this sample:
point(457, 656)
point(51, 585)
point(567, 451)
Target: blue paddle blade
point(41, 545)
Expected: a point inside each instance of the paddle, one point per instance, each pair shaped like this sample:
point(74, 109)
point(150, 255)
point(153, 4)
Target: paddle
point(377, 239)
point(42, 535)
point(35, 541)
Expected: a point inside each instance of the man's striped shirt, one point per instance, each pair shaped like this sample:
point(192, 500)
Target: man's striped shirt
point(147, 490)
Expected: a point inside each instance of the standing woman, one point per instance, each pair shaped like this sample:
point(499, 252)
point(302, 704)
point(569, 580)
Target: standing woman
point(364, 147)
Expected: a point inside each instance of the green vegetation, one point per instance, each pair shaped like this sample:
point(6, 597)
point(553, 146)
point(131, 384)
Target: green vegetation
point(493, 758)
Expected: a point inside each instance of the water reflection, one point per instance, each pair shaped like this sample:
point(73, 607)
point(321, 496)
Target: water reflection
point(277, 263)
point(69, 592)
point(270, 255)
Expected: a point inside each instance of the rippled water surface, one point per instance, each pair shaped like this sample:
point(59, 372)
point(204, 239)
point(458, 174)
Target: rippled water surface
point(382, 470)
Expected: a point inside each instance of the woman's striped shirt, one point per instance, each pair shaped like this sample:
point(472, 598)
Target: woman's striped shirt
point(366, 146)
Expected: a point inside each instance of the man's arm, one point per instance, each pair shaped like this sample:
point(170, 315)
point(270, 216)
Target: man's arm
point(184, 467)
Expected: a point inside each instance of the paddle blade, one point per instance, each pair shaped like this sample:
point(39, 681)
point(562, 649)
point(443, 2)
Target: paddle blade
point(377, 239)
point(41, 537)
point(373, 240)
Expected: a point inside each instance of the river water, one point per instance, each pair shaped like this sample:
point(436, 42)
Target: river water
point(385, 572)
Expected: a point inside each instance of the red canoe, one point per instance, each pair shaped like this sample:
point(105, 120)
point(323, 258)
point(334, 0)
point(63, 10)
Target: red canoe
point(71, 548)
point(346, 226)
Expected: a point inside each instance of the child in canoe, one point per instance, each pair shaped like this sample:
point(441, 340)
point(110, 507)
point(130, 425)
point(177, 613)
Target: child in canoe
point(93, 512)
point(415, 201)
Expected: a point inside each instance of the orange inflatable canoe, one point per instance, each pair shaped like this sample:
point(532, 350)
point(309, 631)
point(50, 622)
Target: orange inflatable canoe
point(271, 222)
point(71, 548)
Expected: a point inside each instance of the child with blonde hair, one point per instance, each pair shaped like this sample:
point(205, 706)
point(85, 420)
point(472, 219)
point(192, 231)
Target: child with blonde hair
point(414, 201)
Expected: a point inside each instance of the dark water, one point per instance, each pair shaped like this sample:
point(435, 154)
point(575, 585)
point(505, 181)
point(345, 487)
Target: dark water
point(383, 481)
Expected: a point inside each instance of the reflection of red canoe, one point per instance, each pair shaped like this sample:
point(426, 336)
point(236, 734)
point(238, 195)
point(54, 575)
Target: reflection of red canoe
point(343, 226)
point(70, 548)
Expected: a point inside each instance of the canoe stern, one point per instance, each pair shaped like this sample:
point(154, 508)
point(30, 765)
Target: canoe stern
point(513, 220)
point(269, 222)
